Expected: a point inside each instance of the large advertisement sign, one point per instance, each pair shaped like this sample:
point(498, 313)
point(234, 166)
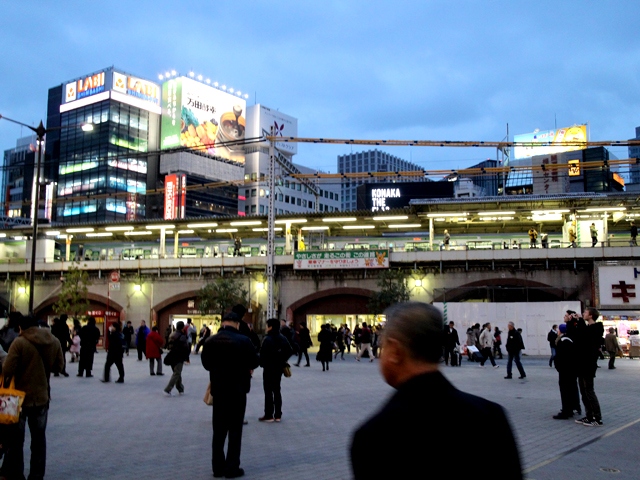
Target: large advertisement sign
point(549, 179)
point(341, 259)
point(175, 196)
point(380, 197)
point(619, 286)
point(556, 139)
point(112, 84)
point(203, 119)
point(280, 124)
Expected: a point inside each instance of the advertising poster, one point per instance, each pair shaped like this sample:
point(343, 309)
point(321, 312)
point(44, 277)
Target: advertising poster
point(170, 196)
point(203, 119)
point(341, 259)
point(556, 139)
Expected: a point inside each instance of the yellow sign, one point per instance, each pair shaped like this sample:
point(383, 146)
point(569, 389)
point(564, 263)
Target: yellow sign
point(574, 168)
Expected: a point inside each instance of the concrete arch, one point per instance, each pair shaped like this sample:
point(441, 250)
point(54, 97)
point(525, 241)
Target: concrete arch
point(337, 301)
point(504, 290)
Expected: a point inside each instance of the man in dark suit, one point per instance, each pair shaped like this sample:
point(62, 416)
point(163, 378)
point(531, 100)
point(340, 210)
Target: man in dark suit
point(451, 340)
point(412, 346)
point(230, 358)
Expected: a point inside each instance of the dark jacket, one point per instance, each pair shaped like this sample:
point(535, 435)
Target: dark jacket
point(115, 345)
point(565, 359)
point(275, 351)
point(89, 337)
point(451, 338)
point(514, 341)
point(365, 335)
point(60, 330)
point(178, 348)
point(305, 338)
point(31, 358)
point(551, 338)
point(229, 357)
point(414, 407)
point(588, 349)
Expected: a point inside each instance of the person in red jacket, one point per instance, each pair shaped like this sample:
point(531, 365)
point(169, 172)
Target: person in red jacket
point(154, 350)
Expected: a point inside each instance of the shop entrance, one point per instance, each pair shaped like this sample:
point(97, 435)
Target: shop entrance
point(212, 321)
point(315, 321)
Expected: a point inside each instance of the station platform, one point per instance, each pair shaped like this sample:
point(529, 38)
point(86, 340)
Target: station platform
point(132, 430)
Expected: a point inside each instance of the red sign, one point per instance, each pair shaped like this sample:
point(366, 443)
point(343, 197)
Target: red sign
point(170, 196)
point(115, 276)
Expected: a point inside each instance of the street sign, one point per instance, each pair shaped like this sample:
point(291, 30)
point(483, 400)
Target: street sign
point(115, 276)
point(114, 287)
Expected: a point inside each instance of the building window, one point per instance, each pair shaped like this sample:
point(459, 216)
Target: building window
point(253, 209)
point(262, 209)
point(298, 201)
point(253, 192)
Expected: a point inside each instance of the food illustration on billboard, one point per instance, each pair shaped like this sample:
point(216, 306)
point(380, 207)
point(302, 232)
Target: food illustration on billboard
point(556, 141)
point(202, 118)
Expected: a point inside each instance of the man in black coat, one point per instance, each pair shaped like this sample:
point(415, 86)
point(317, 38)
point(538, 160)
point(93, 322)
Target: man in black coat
point(412, 346)
point(89, 338)
point(451, 340)
point(304, 342)
point(60, 330)
point(588, 343)
point(566, 365)
point(514, 346)
point(274, 353)
point(230, 358)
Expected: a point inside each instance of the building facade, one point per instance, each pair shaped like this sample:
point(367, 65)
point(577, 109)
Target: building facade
point(364, 162)
point(18, 178)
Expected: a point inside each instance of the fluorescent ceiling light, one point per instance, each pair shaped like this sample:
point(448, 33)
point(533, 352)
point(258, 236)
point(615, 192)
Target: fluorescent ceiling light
point(182, 232)
point(143, 232)
point(494, 214)
point(548, 212)
point(100, 234)
point(405, 225)
point(265, 229)
point(547, 218)
point(396, 217)
point(244, 223)
point(314, 228)
point(53, 233)
point(3, 235)
point(494, 219)
point(226, 230)
point(160, 227)
point(603, 209)
point(79, 230)
point(19, 237)
point(295, 220)
point(439, 215)
point(358, 227)
point(118, 229)
point(340, 219)
point(202, 225)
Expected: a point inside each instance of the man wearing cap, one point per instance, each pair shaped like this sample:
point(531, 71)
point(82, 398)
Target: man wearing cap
point(412, 343)
point(565, 362)
point(229, 357)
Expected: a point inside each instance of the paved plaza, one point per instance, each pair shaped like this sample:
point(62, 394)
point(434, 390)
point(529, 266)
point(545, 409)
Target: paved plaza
point(113, 431)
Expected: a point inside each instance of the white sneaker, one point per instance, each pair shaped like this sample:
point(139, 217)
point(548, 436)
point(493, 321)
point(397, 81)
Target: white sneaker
point(167, 394)
point(496, 366)
point(480, 366)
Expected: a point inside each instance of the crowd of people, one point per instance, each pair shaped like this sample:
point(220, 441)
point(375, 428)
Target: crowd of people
point(414, 341)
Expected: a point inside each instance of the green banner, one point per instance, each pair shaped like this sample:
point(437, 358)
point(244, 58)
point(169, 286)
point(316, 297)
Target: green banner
point(334, 259)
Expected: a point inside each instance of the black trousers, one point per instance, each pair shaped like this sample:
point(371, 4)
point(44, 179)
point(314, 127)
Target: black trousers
point(306, 355)
point(448, 352)
point(589, 398)
point(86, 360)
point(569, 396)
point(227, 418)
point(111, 360)
point(271, 378)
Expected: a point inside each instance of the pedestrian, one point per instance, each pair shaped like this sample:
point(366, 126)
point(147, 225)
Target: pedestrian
point(446, 240)
point(274, 353)
point(514, 346)
point(154, 351)
point(304, 342)
point(544, 240)
point(412, 342)
point(230, 359)
point(290, 335)
point(89, 338)
point(497, 351)
point(486, 346)
point(325, 352)
point(141, 339)
point(33, 355)
point(572, 238)
point(634, 234)
point(588, 346)
point(193, 335)
point(533, 238)
point(205, 332)
point(612, 346)
point(74, 349)
point(167, 333)
point(451, 341)
point(470, 342)
point(115, 351)
point(574, 324)
point(128, 332)
point(237, 245)
point(566, 365)
point(365, 342)
point(60, 330)
point(551, 338)
point(594, 234)
point(340, 343)
point(348, 338)
point(189, 331)
point(10, 331)
point(178, 353)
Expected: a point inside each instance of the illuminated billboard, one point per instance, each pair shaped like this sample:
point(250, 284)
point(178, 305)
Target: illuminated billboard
point(110, 83)
point(260, 121)
point(203, 119)
point(175, 193)
point(556, 139)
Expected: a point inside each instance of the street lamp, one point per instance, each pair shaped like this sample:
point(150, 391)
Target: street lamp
point(40, 132)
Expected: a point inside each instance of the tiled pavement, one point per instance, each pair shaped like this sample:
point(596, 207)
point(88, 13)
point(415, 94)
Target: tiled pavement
point(112, 431)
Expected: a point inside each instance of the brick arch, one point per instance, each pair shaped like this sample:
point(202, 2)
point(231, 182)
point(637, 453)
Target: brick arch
point(96, 302)
point(340, 301)
point(540, 291)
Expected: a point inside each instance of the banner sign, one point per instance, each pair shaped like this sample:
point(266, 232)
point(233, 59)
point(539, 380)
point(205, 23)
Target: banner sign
point(325, 260)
